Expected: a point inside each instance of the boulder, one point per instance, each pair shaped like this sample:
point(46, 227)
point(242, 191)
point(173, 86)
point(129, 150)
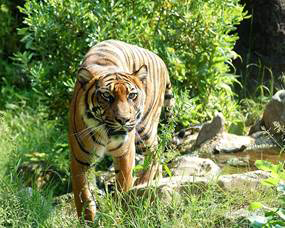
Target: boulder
point(243, 181)
point(211, 129)
point(176, 183)
point(230, 143)
point(172, 187)
point(188, 165)
point(242, 216)
point(273, 116)
point(274, 112)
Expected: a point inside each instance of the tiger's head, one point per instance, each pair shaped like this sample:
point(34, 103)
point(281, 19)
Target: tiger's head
point(113, 99)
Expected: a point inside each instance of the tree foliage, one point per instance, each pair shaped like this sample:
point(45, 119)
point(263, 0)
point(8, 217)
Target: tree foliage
point(194, 38)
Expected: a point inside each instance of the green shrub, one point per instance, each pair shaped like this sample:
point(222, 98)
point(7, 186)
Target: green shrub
point(195, 39)
point(273, 217)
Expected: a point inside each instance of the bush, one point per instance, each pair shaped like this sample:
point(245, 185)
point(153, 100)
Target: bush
point(273, 217)
point(195, 41)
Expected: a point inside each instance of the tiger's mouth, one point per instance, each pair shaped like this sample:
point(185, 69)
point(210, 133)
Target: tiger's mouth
point(119, 132)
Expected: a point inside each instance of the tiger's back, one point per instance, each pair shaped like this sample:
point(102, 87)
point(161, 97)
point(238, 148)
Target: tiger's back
point(115, 109)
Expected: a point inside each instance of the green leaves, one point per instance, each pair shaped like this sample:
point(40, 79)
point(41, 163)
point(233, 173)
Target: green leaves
point(195, 41)
point(277, 172)
point(273, 217)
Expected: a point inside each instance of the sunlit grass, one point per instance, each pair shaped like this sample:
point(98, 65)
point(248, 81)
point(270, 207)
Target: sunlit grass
point(29, 131)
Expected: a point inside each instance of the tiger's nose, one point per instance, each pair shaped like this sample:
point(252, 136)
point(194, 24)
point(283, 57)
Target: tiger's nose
point(122, 120)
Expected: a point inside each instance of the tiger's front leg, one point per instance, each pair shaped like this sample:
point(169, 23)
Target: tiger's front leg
point(150, 172)
point(123, 168)
point(85, 204)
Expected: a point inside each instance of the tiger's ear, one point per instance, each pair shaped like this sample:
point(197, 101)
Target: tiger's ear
point(84, 76)
point(141, 73)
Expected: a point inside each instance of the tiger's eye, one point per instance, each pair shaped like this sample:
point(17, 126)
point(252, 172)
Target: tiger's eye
point(107, 96)
point(132, 96)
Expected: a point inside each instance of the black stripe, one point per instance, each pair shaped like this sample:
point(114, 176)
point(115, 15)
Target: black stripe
point(125, 53)
point(109, 80)
point(84, 163)
point(92, 97)
point(119, 46)
point(116, 148)
point(89, 115)
point(138, 115)
point(146, 114)
point(87, 94)
point(101, 44)
point(91, 54)
point(145, 137)
point(81, 146)
point(134, 61)
point(95, 108)
point(139, 142)
point(141, 130)
point(109, 85)
point(106, 62)
point(74, 123)
point(140, 57)
point(96, 141)
point(123, 76)
point(104, 50)
point(168, 96)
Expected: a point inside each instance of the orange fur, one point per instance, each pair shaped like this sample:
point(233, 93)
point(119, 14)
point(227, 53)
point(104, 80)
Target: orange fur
point(115, 110)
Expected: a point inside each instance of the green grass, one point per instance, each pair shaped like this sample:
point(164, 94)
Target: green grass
point(24, 132)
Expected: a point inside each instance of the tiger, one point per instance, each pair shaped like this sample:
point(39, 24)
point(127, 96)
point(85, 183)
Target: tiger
point(115, 110)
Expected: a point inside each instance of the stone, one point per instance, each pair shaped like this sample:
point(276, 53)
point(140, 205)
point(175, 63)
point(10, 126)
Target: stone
point(177, 183)
point(188, 165)
point(242, 215)
point(243, 181)
point(256, 127)
point(275, 112)
point(211, 129)
point(230, 143)
point(238, 162)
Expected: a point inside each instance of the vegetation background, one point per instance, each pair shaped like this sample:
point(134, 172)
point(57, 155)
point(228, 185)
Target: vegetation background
point(41, 45)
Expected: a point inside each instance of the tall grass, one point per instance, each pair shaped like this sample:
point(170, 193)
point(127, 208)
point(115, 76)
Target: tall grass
point(20, 206)
point(22, 134)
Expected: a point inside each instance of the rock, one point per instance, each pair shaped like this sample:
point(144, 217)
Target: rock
point(173, 188)
point(177, 183)
point(167, 194)
point(242, 215)
point(230, 143)
point(211, 129)
point(257, 127)
point(186, 136)
point(188, 165)
point(238, 162)
point(273, 115)
point(275, 112)
point(243, 181)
